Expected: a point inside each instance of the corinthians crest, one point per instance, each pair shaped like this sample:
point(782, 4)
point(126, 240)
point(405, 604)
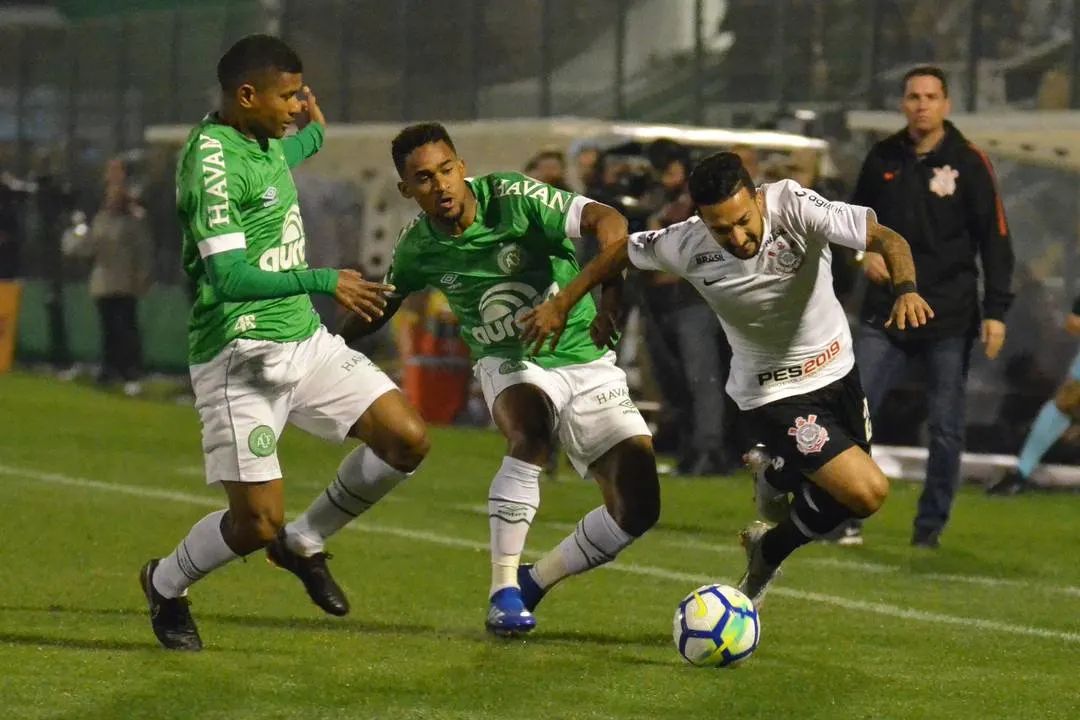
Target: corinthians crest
point(809, 436)
point(781, 257)
point(943, 183)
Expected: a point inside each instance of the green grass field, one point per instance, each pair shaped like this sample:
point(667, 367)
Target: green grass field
point(93, 485)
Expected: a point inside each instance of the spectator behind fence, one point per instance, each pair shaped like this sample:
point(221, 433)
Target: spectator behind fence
point(9, 230)
point(585, 162)
point(938, 190)
point(120, 249)
point(549, 166)
point(687, 347)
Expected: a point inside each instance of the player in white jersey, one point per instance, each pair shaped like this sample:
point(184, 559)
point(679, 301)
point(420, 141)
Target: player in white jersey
point(760, 257)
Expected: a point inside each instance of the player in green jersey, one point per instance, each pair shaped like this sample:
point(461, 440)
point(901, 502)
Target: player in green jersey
point(259, 356)
point(497, 246)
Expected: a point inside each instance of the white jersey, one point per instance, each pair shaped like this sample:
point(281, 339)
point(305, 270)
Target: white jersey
point(789, 334)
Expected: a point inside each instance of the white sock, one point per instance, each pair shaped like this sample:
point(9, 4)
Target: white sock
point(363, 479)
point(512, 502)
point(202, 551)
point(596, 540)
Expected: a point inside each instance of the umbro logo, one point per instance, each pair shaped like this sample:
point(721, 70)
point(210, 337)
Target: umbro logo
point(448, 278)
point(269, 197)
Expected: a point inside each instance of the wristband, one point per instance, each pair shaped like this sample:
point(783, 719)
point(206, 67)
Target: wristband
point(905, 287)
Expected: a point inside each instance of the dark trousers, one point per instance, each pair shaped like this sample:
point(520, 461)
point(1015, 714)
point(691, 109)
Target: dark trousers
point(686, 350)
point(882, 363)
point(120, 340)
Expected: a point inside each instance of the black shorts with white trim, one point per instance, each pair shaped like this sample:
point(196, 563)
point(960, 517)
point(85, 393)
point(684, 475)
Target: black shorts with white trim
point(804, 432)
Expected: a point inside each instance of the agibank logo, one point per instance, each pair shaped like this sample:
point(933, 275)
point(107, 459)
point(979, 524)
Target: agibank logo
point(502, 307)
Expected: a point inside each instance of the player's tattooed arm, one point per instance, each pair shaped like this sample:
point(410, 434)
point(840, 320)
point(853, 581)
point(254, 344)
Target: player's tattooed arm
point(910, 309)
point(897, 253)
point(610, 229)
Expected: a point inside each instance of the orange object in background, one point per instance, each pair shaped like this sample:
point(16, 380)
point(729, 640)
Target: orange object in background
point(437, 372)
point(9, 322)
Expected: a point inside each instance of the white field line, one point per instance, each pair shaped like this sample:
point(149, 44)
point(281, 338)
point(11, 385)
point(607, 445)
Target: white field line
point(895, 611)
point(684, 540)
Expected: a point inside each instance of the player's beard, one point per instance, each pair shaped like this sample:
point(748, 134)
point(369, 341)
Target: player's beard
point(747, 251)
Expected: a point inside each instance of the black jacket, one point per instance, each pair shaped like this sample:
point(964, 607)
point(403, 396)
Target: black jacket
point(947, 206)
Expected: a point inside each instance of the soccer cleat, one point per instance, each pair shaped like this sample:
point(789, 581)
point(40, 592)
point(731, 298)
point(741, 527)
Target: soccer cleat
point(772, 504)
point(170, 617)
point(850, 536)
point(926, 539)
point(531, 592)
point(759, 574)
point(313, 572)
point(507, 615)
point(1012, 484)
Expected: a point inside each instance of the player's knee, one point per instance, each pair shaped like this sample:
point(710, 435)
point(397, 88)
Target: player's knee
point(530, 443)
point(1067, 400)
point(409, 448)
point(870, 495)
point(639, 514)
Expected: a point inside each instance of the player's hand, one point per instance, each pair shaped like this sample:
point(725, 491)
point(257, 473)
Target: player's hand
point(993, 337)
point(875, 268)
point(1072, 324)
point(604, 330)
point(909, 310)
point(548, 320)
point(363, 297)
point(309, 110)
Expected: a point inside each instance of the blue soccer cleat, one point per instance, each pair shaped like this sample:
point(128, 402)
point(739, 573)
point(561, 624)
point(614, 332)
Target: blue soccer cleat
point(531, 592)
point(507, 614)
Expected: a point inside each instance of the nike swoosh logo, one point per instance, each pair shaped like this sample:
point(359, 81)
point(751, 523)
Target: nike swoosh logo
point(715, 280)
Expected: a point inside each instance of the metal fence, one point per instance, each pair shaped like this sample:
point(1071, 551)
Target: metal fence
point(81, 82)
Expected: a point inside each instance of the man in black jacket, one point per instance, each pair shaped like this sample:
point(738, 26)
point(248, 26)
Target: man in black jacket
point(937, 190)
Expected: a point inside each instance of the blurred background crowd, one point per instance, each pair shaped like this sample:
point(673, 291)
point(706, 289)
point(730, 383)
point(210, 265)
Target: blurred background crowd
point(96, 96)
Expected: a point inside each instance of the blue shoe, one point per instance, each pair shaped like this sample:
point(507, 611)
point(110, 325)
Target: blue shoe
point(507, 614)
point(531, 592)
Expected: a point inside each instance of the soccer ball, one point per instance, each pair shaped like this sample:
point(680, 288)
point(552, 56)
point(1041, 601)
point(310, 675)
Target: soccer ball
point(716, 626)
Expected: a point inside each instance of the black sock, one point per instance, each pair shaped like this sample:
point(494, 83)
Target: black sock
point(786, 478)
point(813, 513)
point(781, 541)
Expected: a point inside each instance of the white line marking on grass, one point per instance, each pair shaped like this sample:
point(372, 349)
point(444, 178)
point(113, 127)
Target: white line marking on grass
point(684, 540)
point(895, 611)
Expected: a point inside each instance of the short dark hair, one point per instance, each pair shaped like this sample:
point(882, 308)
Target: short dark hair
point(543, 155)
point(663, 153)
point(255, 55)
point(927, 71)
point(718, 177)
point(415, 136)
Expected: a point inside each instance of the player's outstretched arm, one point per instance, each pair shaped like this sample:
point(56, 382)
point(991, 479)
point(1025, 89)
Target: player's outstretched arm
point(609, 228)
point(235, 280)
point(910, 308)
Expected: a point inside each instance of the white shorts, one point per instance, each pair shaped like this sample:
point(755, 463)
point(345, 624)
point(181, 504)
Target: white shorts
point(593, 409)
point(247, 393)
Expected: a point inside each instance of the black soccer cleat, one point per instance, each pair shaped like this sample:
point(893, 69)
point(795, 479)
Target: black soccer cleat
point(170, 617)
point(1012, 484)
point(313, 572)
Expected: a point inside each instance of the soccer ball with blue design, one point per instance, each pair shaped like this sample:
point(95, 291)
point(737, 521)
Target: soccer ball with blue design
point(716, 626)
